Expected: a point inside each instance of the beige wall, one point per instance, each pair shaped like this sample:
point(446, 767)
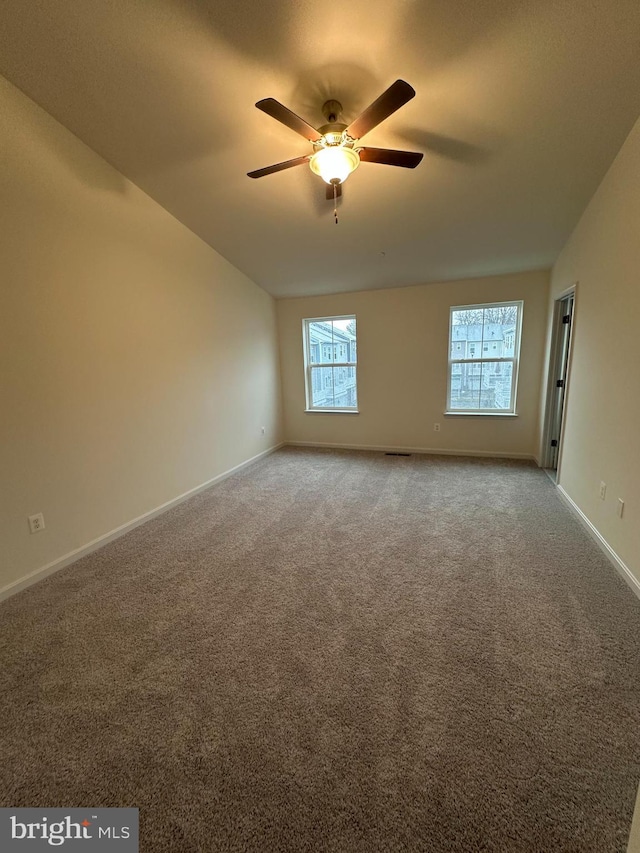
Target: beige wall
point(136, 363)
point(601, 440)
point(602, 424)
point(402, 368)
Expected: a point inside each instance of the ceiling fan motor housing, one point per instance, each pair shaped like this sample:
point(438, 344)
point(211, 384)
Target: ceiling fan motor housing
point(332, 134)
point(331, 110)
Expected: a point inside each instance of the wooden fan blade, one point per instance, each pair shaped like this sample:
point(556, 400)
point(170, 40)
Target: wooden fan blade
point(329, 194)
point(390, 157)
point(395, 97)
point(280, 113)
point(278, 167)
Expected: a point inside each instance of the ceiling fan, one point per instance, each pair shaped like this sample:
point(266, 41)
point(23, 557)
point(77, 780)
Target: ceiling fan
point(336, 149)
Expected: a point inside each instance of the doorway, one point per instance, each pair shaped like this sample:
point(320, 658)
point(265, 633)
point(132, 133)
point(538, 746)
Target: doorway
point(557, 385)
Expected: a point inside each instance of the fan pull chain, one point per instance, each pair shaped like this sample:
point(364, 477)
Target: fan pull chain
point(335, 202)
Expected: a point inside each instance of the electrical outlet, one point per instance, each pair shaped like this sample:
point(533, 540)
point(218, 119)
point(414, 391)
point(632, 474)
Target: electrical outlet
point(262, 430)
point(436, 427)
point(36, 522)
point(603, 491)
point(620, 507)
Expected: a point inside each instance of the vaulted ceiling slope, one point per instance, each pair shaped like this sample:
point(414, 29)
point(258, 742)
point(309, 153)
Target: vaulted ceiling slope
point(520, 109)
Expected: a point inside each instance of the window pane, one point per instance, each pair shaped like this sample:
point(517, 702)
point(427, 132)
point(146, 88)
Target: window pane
point(466, 333)
point(345, 388)
point(332, 341)
point(467, 316)
point(499, 330)
point(495, 385)
point(491, 332)
point(333, 387)
point(465, 386)
point(321, 342)
point(344, 332)
point(322, 387)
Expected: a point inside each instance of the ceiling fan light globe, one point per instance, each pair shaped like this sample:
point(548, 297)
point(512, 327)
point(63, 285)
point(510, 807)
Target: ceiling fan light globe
point(334, 163)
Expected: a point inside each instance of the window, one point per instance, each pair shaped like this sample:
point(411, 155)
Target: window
point(484, 383)
point(330, 364)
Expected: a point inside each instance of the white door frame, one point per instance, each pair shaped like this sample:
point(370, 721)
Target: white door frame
point(555, 359)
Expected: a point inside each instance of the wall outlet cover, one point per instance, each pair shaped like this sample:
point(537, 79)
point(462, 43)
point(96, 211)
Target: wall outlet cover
point(36, 522)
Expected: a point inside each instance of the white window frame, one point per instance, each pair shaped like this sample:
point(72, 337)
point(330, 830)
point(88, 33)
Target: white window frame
point(309, 366)
point(513, 360)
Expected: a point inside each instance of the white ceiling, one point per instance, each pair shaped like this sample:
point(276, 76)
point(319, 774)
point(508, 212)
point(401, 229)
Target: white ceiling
point(520, 109)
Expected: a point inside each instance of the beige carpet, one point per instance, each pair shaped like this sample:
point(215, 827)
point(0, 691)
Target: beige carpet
point(336, 651)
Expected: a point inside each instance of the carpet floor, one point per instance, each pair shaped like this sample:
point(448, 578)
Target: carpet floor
point(336, 651)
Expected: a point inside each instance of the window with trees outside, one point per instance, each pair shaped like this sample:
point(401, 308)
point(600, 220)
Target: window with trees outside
point(484, 349)
point(330, 364)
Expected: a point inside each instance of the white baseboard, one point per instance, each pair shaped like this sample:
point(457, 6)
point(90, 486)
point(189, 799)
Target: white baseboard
point(438, 451)
point(72, 556)
point(620, 566)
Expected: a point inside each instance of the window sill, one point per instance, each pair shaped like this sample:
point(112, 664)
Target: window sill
point(480, 414)
point(331, 412)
